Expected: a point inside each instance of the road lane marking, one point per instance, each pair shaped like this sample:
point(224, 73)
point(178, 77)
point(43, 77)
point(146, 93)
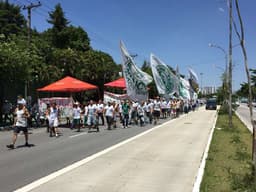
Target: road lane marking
point(200, 173)
point(77, 135)
point(73, 166)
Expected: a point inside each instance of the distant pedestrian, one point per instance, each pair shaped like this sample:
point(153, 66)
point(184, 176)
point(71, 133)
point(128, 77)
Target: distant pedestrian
point(100, 109)
point(20, 123)
point(109, 113)
point(157, 110)
point(54, 120)
point(91, 115)
point(125, 113)
point(76, 116)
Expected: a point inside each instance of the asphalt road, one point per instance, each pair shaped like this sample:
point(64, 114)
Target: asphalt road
point(23, 165)
point(164, 159)
point(244, 114)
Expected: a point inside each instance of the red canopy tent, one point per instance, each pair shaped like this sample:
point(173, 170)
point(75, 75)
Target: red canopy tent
point(68, 84)
point(119, 83)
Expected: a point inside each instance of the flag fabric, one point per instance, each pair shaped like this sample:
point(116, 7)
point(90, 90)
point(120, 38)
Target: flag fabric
point(184, 89)
point(166, 82)
point(193, 80)
point(136, 79)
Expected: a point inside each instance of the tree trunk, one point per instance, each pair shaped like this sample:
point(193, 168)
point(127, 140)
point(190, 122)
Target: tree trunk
point(241, 38)
point(230, 66)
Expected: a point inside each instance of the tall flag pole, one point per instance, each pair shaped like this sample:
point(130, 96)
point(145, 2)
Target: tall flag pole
point(136, 80)
point(166, 81)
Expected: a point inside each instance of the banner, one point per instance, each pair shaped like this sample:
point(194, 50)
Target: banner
point(136, 79)
point(193, 80)
point(64, 104)
point(184, 88)
point(110, 97)
point(166, 82)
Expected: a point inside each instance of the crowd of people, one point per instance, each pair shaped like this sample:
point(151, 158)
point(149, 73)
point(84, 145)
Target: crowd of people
point(92, 115)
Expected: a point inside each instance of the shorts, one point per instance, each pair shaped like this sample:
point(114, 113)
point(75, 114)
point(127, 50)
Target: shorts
point(17, 129)
point(156, 113)
point(53, 123)
point(76, 121)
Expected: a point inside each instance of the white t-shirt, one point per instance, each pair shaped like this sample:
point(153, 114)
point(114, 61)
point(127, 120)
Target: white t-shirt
point(100, 107)
point(91, 110)
point(76, 112)
point(53, 114)
point(21, 119)
point(109, 111)
point(157, 105)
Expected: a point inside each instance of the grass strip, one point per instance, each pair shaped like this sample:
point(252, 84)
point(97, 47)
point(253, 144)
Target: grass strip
point(228, 166)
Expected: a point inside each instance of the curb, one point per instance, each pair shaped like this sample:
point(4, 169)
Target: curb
point(249, 126)
point(200, 173)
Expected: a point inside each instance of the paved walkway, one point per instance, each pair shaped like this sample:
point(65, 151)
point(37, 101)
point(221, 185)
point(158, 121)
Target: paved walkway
point(165, 158)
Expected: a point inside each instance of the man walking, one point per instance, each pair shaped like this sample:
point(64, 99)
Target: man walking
point(20, 123)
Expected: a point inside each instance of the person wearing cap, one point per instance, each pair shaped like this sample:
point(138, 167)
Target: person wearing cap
point(20, 124)
point(20, 99)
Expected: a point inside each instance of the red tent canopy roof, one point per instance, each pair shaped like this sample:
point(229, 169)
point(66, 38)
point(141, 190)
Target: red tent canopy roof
point(68, 84)
point(119, 83)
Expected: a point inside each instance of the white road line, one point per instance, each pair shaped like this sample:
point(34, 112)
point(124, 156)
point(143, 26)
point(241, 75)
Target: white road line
point(60, 172)
point(200, 174)
point(80, 134)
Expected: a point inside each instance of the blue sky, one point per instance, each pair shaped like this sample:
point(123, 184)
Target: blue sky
point(177, 31)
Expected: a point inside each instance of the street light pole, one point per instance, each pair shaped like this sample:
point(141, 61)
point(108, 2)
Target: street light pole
point(226, 79)
point(225, 53)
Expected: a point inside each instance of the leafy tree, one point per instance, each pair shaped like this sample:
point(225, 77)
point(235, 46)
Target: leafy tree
point(152, 86)
point(99, 68)
point(57, 18)
point(253, 76)
point(11, 19)
point(59, 23)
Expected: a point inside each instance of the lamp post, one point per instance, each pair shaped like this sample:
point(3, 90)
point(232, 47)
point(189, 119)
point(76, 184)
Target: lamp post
point(225, 53)
point(226, 81)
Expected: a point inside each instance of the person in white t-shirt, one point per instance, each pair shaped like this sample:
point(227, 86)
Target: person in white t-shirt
point(54, 119)
point(20, 124)
point(157, 110)
point(100, 109)
point(109, 113)
point(76, 116)
point(91, 114)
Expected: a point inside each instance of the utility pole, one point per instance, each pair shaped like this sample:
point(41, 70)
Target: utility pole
point(29, 8)
point(230, 65)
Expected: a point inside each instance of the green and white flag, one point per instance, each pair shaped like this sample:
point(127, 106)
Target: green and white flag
point(136, 80)
point(184, 89)
point(166, 82)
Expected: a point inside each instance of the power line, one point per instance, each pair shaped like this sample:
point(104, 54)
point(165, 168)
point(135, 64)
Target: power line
point(29, 8)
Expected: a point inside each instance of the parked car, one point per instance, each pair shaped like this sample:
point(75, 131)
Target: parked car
point(211, 104)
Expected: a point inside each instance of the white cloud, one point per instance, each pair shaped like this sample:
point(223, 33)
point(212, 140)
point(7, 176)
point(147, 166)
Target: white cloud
point(221, 9)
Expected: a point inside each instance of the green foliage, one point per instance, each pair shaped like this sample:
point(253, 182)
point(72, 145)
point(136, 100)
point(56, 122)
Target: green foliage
point(228, 166)
point(57, 19)
point(11, 19)
point(152, 86)
point(59, 51)
point(244, 89)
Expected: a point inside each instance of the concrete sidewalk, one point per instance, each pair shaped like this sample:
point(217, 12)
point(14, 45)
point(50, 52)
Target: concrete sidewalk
point(166, 158)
